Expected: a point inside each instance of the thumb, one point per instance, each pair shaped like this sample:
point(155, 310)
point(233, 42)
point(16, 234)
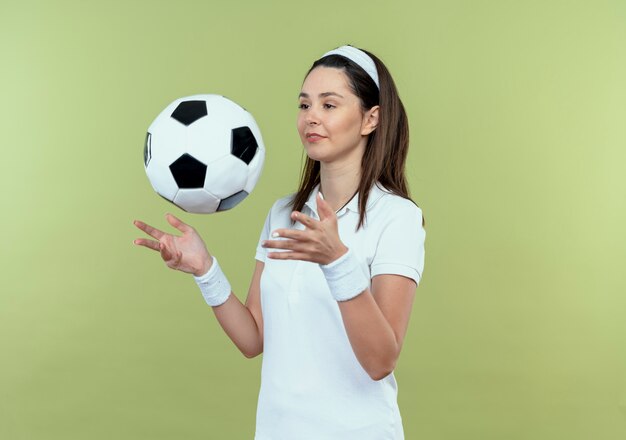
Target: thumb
point(323, 208)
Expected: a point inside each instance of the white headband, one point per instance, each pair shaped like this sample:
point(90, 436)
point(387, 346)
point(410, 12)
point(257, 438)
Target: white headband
point(359, 57)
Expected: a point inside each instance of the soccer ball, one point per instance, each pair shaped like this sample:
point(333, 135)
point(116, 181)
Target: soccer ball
point(204, 153)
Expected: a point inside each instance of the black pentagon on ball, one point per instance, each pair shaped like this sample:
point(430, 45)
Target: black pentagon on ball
point(188, 172)
point(232, 201)
point(243, 144)
point(189, 112)
point(147, 149)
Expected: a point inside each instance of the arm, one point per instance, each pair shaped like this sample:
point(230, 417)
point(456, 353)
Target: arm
point(376, 322)
point(242, 323)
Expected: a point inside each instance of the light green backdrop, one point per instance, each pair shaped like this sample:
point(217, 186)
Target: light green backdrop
point(518, 116)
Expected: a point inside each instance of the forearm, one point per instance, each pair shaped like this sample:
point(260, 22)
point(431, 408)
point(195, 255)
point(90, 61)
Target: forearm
point(236, 319)
point(372, 338)
point(240, 326)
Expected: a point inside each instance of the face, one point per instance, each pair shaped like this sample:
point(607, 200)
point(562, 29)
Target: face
point(331, 123)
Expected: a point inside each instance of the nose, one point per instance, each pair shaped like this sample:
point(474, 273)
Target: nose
point(311, 117)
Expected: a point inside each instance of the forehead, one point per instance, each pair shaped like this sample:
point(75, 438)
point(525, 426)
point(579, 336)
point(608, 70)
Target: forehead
point(326, 79)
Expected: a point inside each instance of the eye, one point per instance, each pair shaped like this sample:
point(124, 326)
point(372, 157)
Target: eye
point(303, 106)
point(328, 106)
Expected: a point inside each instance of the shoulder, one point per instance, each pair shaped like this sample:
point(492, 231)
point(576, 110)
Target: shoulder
point(283, 203)
point(400, 237)
point(392, 207)
point(281, 208)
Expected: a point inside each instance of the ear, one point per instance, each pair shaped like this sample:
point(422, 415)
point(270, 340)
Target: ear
point(370, 120)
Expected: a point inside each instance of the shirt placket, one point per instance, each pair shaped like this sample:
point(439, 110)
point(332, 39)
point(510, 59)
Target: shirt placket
point(297, 279)
point(295, 284)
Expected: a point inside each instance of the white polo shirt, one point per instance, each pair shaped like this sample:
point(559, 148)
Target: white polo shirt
point(312, 385)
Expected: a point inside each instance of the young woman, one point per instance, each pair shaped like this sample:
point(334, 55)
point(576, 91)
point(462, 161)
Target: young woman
point(338, 263)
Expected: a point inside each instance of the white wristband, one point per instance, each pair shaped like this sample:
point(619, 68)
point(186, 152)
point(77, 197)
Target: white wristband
point(345, 277)
point(214, 286)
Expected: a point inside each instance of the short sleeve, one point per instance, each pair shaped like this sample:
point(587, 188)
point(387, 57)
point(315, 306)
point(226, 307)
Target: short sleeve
point(400, 249)
point(277, 215)
point(261, 252)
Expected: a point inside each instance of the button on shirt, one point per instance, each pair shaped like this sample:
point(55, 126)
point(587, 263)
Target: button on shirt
point(312, 385)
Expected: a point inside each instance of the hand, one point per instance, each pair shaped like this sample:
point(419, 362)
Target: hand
point(186, 253)
point(318, 243)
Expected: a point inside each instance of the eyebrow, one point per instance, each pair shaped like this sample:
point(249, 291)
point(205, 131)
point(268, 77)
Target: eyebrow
point(321, 95)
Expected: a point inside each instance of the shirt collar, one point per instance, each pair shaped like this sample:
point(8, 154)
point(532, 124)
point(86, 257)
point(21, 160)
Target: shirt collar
point(376, 192)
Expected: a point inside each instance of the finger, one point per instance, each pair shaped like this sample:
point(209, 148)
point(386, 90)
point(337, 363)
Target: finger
point(152, 232)
point(308, 222)
point(177, 223)
point(293, 234)
point(150, 244)
point(279, 244)
point(289, 256)
point(165, 253)
point(323, 208)
point(176, 263)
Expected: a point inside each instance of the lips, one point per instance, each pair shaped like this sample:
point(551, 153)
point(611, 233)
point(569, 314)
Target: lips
point(312, 137)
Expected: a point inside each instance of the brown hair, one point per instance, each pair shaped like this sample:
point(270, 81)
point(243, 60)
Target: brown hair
point(387, 146)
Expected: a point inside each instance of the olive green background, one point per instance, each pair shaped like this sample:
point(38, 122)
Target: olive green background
point(518, 150)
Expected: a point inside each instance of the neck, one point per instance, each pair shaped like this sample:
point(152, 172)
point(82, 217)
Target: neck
point(338, 183)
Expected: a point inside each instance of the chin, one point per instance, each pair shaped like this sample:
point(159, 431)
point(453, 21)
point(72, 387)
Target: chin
point(316, 154)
